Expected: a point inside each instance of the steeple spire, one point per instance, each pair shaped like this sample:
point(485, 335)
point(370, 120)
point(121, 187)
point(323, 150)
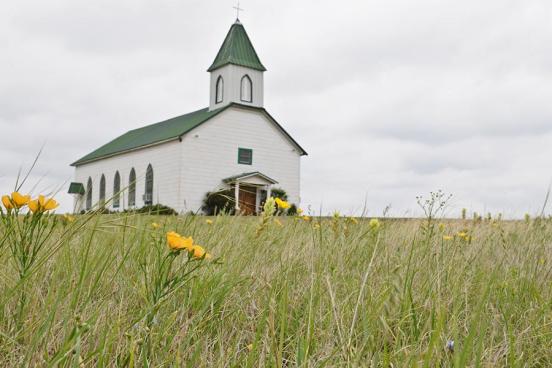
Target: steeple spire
point(238, 50)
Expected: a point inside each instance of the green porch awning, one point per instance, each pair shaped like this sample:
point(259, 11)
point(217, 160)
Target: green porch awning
point(76, 188)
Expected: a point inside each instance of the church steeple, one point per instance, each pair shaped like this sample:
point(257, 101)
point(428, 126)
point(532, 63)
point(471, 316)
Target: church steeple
point(237, 71)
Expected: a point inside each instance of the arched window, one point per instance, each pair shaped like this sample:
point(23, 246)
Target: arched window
point(148, 196)
point(219, 90)
point(246, 93)
point(89, 194)
point(116, 190)
point(132, 188)
point(102, 191)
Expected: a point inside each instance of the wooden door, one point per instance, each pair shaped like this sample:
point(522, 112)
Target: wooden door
point(248, 199)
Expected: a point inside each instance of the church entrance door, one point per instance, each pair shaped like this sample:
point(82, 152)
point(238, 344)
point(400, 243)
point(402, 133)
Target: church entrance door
point(248, 199)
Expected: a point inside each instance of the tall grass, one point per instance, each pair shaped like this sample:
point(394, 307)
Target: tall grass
point(313, 292)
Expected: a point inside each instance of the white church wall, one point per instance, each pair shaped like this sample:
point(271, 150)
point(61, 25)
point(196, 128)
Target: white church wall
point(164, 159)
point(210, 154)
point(232, 75)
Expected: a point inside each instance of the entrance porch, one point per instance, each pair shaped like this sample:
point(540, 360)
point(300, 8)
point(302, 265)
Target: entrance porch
point(250, 190)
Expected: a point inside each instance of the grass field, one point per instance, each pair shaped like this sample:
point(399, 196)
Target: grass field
point(296, 292)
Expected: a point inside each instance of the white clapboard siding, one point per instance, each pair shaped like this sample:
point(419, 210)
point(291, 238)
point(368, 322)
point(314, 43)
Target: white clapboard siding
point(210, 154)
point(232, 75)
point(164, 159)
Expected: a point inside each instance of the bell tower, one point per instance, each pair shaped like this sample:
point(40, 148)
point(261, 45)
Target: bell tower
point(236, 72)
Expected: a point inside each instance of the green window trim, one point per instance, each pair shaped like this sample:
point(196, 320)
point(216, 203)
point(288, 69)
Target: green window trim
point(245, 156)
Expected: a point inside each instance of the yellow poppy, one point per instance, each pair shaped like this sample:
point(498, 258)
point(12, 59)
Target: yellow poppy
point(177, 242)
point(209, 222)
point(198, 252)
point(42, 204)
point(448, 237)
point(20, 200)
point(282, 204)
point(68, 218)
point(7, 202)
point(374, 223)
point(462, 234)
point(47, 204)
point(306, 218)
point(34, 206)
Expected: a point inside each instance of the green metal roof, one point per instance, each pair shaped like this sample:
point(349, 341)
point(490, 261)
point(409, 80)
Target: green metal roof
point(159, 132)
point(237, 49)
point(167, 130)
point(76, 188)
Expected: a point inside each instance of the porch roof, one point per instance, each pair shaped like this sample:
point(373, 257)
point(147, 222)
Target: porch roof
point(247, 178)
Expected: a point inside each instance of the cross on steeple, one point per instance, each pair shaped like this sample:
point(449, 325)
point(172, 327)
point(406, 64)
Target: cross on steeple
point(238, 9)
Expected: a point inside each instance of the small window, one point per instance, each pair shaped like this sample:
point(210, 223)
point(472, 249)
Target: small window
point(148, 195)
point(246, 94)
point(132, 188)
point(219, 90)
point(89, 194)
point(116, 190)
point(245, 156)
point(102, 191)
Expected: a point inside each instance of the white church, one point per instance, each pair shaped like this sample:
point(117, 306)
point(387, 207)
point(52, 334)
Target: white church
point(232, 144)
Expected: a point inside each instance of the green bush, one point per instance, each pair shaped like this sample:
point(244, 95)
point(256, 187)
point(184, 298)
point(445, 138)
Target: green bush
point(156, 209)
point(292, 210)
point(217, 202)
point(279, 193)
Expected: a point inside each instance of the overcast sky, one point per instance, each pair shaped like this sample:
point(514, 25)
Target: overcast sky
point(392, 99)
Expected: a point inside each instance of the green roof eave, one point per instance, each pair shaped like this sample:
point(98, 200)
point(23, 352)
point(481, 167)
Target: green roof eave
point(237, 49)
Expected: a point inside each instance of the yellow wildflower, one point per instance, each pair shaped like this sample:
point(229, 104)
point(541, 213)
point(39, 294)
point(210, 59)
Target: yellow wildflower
point(306, 218)
point(20, 200)
point(68, 218)
point(209, 222)
point(374, 224)
point(462, 234)
point(155, 225)
point(198, 252)
point(42, 204)
point(448, 237)
point(281, 204)
point(6, 201)
point(177, 242)
point(316, 226)
point(299, 211)
point(441, 227)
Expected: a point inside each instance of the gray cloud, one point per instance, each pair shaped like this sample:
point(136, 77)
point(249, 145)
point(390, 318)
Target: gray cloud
point(391, 99)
